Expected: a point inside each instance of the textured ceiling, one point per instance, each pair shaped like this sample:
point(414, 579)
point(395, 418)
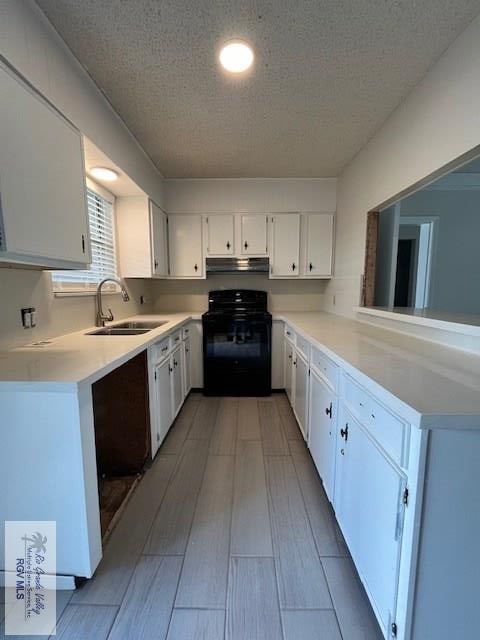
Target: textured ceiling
point(327, 74)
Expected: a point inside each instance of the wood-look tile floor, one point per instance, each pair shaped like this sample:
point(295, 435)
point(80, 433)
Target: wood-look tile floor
point(228, 536)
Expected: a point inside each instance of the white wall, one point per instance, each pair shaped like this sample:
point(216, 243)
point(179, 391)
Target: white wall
point(192, 295)
point(439, 121)
point(32, 46)
point(256, 195)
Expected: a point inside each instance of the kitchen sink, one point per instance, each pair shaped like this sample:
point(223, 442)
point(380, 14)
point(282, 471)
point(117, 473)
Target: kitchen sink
point(130, 328)
point(140, 324)
point(116, 331)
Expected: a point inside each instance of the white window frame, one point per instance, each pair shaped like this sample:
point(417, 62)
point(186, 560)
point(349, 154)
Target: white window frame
point(87, 288)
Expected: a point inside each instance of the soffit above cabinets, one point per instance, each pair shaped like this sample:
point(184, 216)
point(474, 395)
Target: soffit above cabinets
point(326, 76)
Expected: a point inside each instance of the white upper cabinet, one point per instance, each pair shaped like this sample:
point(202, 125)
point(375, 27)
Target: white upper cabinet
point(142, 238)
point(219, 231)
point(253, 235)
point(43, 214)
point(158, 226)
point(285, 245)
point(185, 245)
point(317, 245)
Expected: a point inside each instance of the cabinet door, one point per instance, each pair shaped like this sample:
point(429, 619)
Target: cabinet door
point(300, 405)
point(187, 371)
point(285, 245)
point(219, 231)
point(177, 378)
point(185, 242)
point(158, 230)
point(42, 180)
point(196, 353)
point(163, 401)
point(253, 235)
point(318, 238)
point(289, 371)
point(322, 421)
point(369, 508)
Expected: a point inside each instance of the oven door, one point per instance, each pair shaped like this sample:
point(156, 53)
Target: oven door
point(237, 355)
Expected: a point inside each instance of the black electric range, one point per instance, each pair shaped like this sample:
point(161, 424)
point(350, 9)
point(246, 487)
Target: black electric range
point(237, 351)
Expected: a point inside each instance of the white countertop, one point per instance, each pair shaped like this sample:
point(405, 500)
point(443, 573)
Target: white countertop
point(428, 384)
point(78, 358)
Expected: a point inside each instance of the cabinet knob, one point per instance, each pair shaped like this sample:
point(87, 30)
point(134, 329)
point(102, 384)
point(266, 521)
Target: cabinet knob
point(228, 245)
point(294, 266)
point(196, 267)
point(344, 432)
point(156, 264)
point(328, 411)
point(245, 245)
point(310, 267)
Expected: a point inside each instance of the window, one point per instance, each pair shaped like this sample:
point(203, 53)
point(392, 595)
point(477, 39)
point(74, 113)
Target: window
point(104, 265)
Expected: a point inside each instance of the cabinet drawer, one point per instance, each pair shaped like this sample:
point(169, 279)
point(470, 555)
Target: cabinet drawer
point(390, 431)
point(289, 334)
point(176, 338)
point(161, 349)
point(325, 367)
point(303, 346)
point(185, 332)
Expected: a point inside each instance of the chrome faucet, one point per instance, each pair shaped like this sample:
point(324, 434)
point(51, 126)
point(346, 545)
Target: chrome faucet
point(101, 317)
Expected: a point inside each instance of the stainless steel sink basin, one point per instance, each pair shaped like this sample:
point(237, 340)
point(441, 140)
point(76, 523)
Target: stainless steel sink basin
point(116, 331)
point(140, 324)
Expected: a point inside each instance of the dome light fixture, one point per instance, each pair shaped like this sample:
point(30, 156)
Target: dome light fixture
point(103, 173)
point(236, 56)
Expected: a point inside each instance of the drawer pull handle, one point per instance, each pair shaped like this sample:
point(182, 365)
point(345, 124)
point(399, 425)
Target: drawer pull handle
point(177, 338)
point(328, 411)
point(164, 348)
point(342, 451)
point(344, 432)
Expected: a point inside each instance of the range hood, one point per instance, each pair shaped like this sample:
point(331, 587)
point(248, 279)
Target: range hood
point(237, 265)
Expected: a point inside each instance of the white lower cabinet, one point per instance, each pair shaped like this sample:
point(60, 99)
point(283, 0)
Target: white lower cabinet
point(322, 431)
point(289, 352)
point(162, 413)
point(177, 381)
point(369, 507)
point(186, 366)
point(300, 405)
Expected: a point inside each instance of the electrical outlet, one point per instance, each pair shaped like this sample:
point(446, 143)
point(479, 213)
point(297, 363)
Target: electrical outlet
point(29, 317)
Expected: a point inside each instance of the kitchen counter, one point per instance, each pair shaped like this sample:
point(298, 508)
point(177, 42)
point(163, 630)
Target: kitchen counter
point(77, 358)
point(431, 385)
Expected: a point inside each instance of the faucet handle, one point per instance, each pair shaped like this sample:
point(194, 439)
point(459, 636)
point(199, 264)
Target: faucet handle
point(110, 315)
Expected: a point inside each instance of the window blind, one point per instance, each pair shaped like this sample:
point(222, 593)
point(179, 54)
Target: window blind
point(104, 265)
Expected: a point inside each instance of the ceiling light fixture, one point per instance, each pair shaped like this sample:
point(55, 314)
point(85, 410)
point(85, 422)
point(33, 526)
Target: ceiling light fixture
point(236, 56)
point(103, 173)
